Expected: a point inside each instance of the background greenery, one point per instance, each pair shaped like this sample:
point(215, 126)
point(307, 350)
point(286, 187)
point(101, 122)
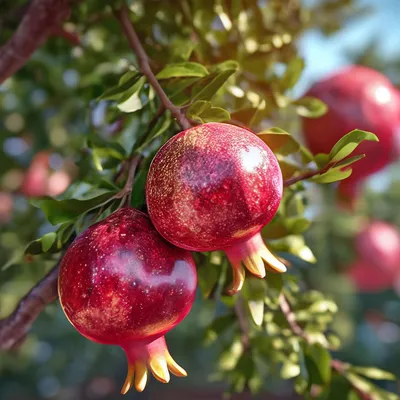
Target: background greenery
point(88, 105)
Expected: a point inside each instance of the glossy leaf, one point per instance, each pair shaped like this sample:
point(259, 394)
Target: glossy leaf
point(348, 143)
point(310, 107)
point(182, 70)
point(59, 211)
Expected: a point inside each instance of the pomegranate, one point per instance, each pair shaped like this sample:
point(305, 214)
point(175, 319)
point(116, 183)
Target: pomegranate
point(213, 187)
point(358, 98)
point(379, 243)
point(122, 284)
point(369, 278)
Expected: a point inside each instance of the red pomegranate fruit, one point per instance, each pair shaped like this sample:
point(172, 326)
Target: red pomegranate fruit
point(369, 278)
point(213, 187)
point(379, 243)
point(122, 284)
point(358, 98)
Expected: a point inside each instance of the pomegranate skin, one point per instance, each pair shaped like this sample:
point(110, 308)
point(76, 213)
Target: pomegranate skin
point(213, 187)
point(121, 283)
point(358, 98)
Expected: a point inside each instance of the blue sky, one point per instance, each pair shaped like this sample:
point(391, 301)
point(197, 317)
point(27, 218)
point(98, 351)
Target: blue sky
point(323, 55)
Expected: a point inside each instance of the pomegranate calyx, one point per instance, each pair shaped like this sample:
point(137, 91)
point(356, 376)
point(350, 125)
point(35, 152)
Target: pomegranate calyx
point(253, 253)
point(153, 356)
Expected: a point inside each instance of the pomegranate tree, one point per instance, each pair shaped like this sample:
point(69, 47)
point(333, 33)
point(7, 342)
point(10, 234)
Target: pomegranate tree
point(213, 187)
point(122, 284)
point(357, 98)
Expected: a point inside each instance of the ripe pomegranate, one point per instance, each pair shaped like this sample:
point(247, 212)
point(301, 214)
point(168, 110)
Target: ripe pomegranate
point(122, 284)
point(213, 187)
point(379, 243)
point(358, 98)
point(369, 278)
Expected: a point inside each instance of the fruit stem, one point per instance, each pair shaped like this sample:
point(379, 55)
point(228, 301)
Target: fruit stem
point(144, 66)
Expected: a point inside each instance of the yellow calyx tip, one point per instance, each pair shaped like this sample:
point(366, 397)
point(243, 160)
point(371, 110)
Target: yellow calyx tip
point(174, 367)
point(159, 368)
point(137, 375)
point(154, 357)
point(128, 380)
point(238, 279)
point(272, 261)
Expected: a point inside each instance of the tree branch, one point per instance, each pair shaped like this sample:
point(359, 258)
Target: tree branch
point(37, 24)
point(123, 17)
point(337, 365)
point(307, 175)
point(14, 328)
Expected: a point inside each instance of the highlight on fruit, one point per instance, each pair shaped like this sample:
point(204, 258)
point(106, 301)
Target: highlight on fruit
point(214, 187)
point(121, 283)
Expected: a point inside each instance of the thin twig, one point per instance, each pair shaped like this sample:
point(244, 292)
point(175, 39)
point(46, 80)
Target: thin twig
point(14, 328)
point(144, 66)
point(307, 175)
point(36, 26)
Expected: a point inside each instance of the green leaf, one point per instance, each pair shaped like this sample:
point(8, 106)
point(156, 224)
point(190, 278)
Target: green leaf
point(125, 83)
point(203, 111)
point(321, 160)
point(333, 175)
point(253, 292)
point(182, 70)
point(310, 107)
point(197, 108)
point(226, 65)
point(59, 211)
point(47, 241)
point(290, 370)
point(208, 276)
point(16, 258)
point(131, 101)
point(323, 306)
point(348, 143)
point(292, 73)
point(215, 114)
point(320, 368)
point(373, 373)
point(279, 141)
point(213, 86)
point(349, 160)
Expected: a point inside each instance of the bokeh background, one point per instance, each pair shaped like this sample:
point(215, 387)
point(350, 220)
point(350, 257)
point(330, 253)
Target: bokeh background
point(55, 362)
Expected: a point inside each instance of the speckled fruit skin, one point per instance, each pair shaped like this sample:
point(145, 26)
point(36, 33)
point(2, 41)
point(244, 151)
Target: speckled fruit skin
point(121, 283)
point(213, 187)
point(358, 98)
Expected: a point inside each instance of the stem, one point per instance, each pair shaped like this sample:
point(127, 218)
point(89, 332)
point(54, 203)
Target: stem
point(123, 17)
point(307, 175)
